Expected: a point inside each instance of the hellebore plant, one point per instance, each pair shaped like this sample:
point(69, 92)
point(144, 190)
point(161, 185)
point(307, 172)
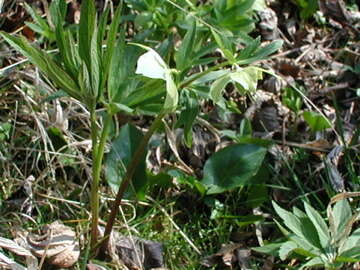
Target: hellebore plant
point(97, 67)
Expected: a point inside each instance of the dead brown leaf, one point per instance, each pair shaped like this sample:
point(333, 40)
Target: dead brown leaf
point(226, 256)
point(57, 244)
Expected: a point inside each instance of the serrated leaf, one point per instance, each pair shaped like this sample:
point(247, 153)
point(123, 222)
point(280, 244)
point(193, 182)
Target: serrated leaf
point(102, 31)
point(66, 51)
point(37, 18)
point(85, 82)
point(86, 29)
point(58, 94)
point(45, 63)
point(232, 167)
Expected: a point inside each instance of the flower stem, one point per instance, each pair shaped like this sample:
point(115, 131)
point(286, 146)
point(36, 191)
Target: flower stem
point(128, 177)
point(98, 154)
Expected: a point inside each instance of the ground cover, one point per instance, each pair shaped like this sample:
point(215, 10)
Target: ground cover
point(250, 114)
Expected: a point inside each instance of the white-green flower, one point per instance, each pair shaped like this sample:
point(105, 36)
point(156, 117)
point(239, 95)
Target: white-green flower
point(151, 65)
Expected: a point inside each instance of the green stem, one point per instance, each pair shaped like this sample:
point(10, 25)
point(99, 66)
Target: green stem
point(98, 154)
point(201, 74)
point(128, 177)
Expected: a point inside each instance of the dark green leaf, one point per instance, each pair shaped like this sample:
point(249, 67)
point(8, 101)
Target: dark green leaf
point(111, 39)
point(121, 153)
point(232, 167)
point(102, 29)
point(271, 249)
point(58, 10)
point(257, 195)
point(184, 55)
point(66, 50)
point(262, 53)
point(245, 129)
point(188, 115)
point(86, 29)
point(319, 224)
point(225, 44)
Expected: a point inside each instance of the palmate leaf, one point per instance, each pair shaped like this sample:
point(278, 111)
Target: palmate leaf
point(66, 48)
point(305, 232)
point(226, 45)
point(45, 63)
